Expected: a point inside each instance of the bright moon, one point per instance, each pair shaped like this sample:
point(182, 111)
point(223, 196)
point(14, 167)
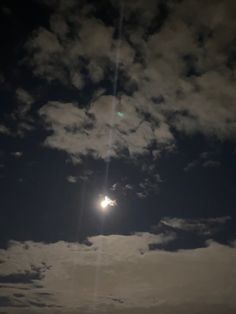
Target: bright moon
point(106, 203)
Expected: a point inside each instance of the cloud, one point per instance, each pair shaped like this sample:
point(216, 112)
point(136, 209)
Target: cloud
point(203, 226)
point(149, 185)
point(25, 99)
point(72, 179)
point(17, 154)
point(44, 49)
point(21, 120)
point(58, 25)
point(123, 187)
point(86, 174)
point(174, 76)
point(211, 163)
point(141, 194)
point(46, 56)
point(47, 49)
point(77, 277)
point(205, 160)
point(98, 130)
point(128, 187)
point(191, 78)
point(4, 130)
point(191, 165)
point(23, 96)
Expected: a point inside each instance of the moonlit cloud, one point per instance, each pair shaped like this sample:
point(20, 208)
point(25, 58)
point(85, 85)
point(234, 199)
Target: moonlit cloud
point(163, 88)
point(71, 125)
point(72, 179)
point(143, 279)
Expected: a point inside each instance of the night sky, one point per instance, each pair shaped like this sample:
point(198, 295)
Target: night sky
point(130, 100)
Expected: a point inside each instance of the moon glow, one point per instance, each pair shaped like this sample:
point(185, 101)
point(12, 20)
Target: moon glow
point(106, 203)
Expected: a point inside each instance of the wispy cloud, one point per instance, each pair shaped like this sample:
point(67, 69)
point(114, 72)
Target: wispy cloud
point(71, 179)
point(202, 226)
point(205, 159)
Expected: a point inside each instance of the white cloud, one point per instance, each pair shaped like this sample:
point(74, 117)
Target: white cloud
point(79, 278)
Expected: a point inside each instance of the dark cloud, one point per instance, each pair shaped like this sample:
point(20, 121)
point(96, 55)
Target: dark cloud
point(4, 301)
point(211, 163)
point(26, 277)
point(205, 159)
point(4, 130)
point(203, 226)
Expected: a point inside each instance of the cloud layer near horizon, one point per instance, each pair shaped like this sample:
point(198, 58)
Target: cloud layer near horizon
point(117, 273)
